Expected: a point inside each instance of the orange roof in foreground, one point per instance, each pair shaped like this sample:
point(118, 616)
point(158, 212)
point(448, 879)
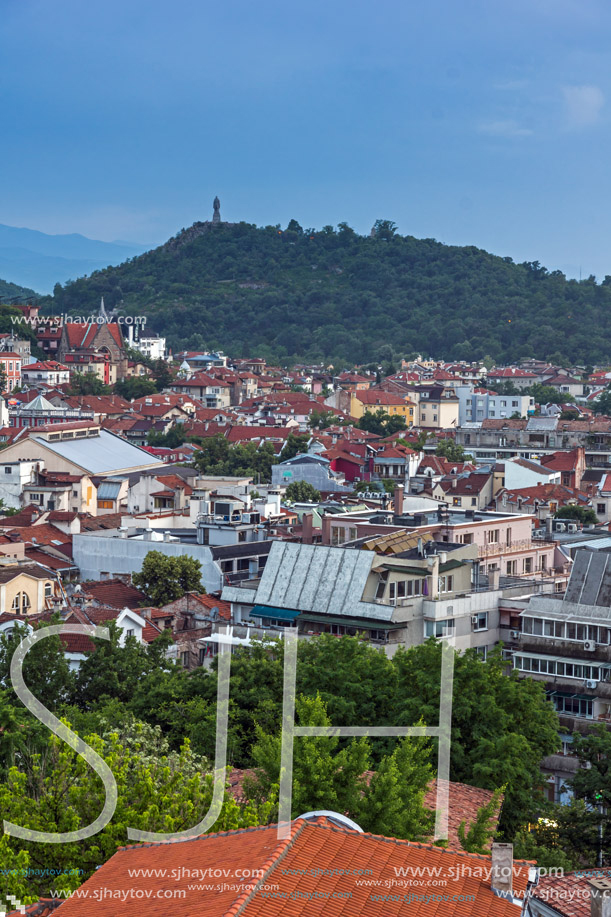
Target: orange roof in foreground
point(284, 884)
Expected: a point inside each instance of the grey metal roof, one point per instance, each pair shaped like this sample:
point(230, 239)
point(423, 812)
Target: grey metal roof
point(542, 424)
point(593, 544)
point(101, 454)
point(590, 582)
point(109, 490)
point(588, 594)
point(318, 578)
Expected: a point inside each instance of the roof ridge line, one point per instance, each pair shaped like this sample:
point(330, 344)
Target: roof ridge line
point(397, 840)
point(242, 901)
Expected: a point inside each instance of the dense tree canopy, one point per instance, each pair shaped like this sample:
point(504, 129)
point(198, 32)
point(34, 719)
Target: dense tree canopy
point(336, 296)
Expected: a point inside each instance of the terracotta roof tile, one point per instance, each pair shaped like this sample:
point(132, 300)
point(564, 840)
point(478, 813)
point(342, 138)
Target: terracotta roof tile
point(288, 864)
point(114, 593)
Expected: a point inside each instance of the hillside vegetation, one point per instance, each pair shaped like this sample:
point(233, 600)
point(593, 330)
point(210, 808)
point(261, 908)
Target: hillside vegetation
point(336, 296)
point(11, 292)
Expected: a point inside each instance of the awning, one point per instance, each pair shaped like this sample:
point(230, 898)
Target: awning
point(266, 611)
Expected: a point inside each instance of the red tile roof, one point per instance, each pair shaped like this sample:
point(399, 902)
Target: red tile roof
point(340, 856)
point(376, 396)
point(561, 461)
point(115, 593)
point(568, 894)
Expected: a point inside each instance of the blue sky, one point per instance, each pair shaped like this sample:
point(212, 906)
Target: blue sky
point(471, 122)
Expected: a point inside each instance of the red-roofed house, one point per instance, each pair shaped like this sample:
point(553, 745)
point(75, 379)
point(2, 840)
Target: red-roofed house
point(316, 870)
point(48, 372)
point(571, 466)
point(541, 501)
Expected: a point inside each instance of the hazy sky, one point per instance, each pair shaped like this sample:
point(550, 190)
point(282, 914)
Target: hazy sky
point(483, 122)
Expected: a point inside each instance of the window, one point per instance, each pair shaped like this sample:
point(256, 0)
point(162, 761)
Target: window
point(446, 583)
point(184, 658)
point(48, 590)
point(482, 651)
point(7, 469)
point(105, 504)
point(75, 493)
point(130, 632)
point(473, 501)
point(482, 621)
point(493, 536)
point(21, 603)
point(601, 509)
point(503, 404)
point(528, 565)
point(443, 628)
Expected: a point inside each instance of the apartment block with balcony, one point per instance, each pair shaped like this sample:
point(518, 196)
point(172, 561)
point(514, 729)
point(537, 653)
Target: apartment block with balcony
point(565, 642)
point(393, 590)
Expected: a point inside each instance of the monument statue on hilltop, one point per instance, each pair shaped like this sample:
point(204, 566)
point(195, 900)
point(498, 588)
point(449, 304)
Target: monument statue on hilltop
point(216, 216)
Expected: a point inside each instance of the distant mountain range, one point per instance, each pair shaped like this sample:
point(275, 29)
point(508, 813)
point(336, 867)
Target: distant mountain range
point(38, 261)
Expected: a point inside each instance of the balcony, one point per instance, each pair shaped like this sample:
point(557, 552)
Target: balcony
point(513, 547)
point(568, 649)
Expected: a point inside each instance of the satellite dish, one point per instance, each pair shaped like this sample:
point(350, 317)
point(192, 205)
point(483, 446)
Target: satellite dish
point(336, 817)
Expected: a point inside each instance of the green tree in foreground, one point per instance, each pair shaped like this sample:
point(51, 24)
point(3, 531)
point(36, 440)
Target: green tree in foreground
point(158, 790)
point(164, 579)
point(302, 492)
point(477, 838)
point(327, 777)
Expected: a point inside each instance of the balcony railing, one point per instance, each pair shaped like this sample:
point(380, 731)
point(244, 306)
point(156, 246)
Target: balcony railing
point(513, 547)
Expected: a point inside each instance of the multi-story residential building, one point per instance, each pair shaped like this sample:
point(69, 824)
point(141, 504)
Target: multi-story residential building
point(565, 642)
point(152, 347)
point(10, 362)
point(374, 399)
point(230, 546)
point(521, 378)
point(213, 393)
point(537, 437)
point(438, 407)
point(394, 462)
point(47, 372)
point(479, 404)
point(394, 590)
point(504, 542)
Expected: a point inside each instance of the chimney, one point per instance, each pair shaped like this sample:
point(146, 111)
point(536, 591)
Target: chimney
point(307, 525)
point(326, 528)
point(501, 877)
point(398, 500)
point(600, 897)
point(494, 579)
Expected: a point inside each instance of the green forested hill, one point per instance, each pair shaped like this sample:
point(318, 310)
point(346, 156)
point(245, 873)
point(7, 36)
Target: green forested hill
point(336, 296)
point(10, 292)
